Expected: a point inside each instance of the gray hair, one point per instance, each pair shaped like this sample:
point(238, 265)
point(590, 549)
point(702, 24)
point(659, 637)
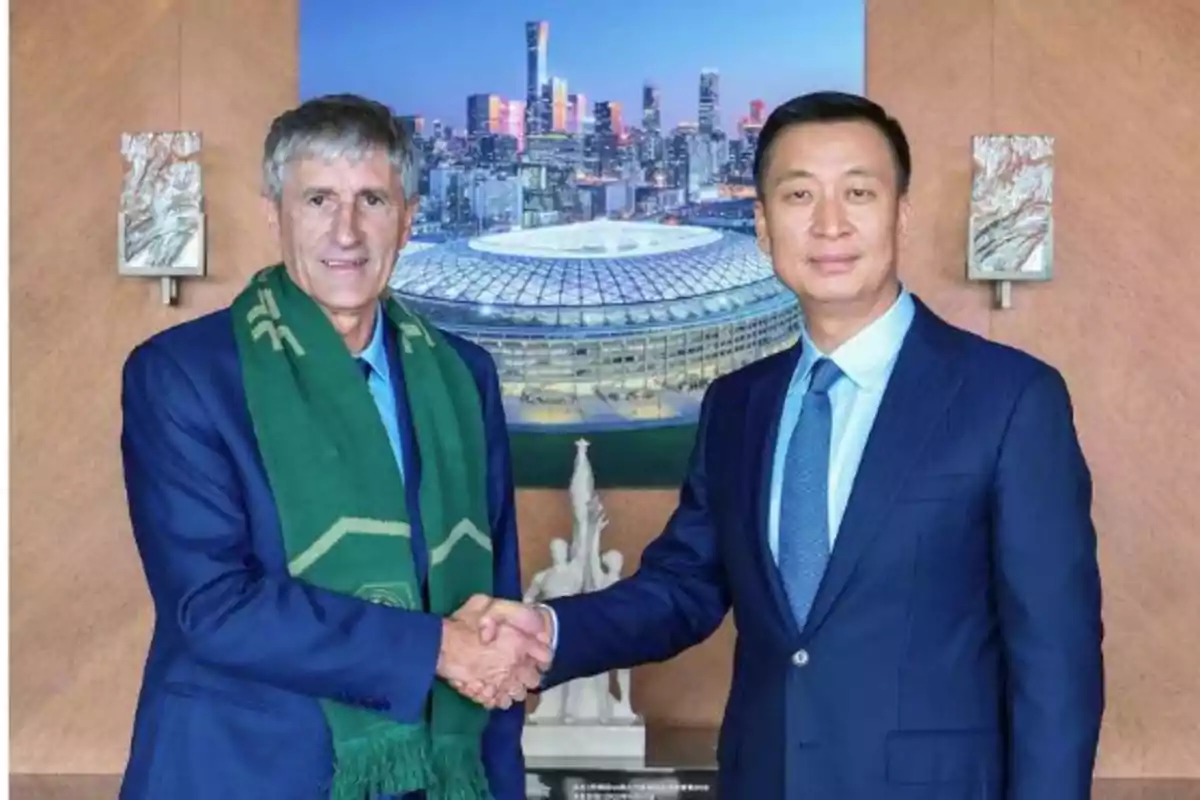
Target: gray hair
point(338, 126)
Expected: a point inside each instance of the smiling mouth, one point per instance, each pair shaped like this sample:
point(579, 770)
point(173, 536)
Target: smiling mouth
point(834, 264)
point(344, 263)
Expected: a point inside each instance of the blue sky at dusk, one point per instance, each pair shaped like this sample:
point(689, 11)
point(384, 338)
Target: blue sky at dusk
point(425, 58)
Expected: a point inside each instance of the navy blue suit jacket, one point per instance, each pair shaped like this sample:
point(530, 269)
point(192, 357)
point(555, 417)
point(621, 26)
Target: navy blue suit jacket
point(241, 652)
point(954, 647)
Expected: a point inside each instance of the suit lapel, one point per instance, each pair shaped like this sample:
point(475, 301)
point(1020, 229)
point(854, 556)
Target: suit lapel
point(764, 407)
point(409, 453)
point(923, 383)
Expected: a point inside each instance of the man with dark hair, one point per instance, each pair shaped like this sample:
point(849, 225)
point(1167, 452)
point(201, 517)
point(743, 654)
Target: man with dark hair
point(897, 511)
point(319, 481)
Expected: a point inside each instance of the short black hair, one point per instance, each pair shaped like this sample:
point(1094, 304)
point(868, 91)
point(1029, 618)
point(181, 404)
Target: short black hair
point(820, 107)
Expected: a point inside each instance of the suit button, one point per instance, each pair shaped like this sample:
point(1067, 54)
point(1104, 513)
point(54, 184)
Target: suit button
point(800, 658)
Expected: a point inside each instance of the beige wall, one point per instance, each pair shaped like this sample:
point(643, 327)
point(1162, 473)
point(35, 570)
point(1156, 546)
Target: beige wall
point(1114, 81)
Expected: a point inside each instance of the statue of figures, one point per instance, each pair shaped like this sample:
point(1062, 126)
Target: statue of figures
point(621, 709)
point(596, 522)
point(590, 699)
point(583, 717)
point(564, 577)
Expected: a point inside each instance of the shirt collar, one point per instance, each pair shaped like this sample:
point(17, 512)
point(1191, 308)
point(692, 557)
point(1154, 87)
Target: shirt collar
point(375, 353)
point(867, 357)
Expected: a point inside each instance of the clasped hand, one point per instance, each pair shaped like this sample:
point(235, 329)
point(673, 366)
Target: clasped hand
point(495, 651)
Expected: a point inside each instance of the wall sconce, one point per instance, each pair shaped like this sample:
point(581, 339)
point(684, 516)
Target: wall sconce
point(161, 225)
point(1011, 225)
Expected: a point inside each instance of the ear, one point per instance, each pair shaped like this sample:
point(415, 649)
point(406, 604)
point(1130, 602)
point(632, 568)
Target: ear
point(903, 218)
point(271, 210)
point(406, 221)
point(761, 232)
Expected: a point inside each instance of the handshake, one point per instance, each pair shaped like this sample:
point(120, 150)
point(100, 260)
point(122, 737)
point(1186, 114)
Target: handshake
point(495, 651)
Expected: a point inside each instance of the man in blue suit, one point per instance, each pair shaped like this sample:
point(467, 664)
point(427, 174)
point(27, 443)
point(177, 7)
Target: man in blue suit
point(318, 482)
point(897, 512)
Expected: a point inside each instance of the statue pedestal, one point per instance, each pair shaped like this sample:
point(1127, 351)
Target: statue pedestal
point(584, 740)
point(678, 764)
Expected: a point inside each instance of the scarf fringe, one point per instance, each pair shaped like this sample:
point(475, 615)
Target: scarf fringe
point(400, 763)
point(458, 772)
point(394, 763)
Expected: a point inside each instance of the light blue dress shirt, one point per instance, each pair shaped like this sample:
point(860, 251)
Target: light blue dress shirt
point(866, 361)
point(380, 384)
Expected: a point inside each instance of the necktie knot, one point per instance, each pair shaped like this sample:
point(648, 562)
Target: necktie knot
point(825, 373)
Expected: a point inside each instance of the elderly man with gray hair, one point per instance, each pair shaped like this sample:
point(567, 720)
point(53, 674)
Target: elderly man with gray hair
point(321, 495)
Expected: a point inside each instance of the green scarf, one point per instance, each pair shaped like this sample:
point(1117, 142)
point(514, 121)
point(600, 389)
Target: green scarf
point(345, 520)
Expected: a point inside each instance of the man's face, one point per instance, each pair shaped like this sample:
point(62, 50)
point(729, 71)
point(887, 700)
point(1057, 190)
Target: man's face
point(830, 216)
point(340, 225)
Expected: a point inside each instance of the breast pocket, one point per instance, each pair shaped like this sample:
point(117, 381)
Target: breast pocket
point(946, 516)
point(943, 506)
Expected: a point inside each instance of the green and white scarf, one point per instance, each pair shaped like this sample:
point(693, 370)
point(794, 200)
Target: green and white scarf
point(345, 519)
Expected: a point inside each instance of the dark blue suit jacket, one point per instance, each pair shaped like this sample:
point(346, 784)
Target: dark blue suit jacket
point(954, 647)
point(240, 651)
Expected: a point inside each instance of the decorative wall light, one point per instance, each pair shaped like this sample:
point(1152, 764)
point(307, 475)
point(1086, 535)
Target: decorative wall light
point(161, 225)
point(1011, 225)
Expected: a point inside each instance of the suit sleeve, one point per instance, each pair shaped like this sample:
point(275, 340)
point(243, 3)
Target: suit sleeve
point(192, 532)
point(503, 759)
point(676, 599)
point(1049, 598)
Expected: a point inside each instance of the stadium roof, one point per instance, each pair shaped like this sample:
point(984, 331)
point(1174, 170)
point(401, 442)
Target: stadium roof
point(593, 274)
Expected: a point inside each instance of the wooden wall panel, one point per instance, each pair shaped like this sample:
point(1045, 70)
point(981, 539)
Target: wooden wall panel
point(82, 75)
point(1119, 86)
point(224, 44)
point(929, 63)
point(1114, 80)
point(77, 615)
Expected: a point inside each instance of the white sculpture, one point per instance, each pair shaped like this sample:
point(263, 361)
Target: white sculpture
point(621, 709)
point(582, 717)
point(563, 577)
point(583, 497)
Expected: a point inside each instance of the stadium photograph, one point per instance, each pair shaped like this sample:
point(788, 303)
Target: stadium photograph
point(586, 215)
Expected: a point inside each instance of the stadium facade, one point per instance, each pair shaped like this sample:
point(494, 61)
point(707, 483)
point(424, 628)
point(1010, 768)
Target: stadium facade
point(605, 324)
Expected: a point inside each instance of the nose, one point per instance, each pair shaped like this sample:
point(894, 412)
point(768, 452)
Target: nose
point(346, 231)
point(829, 218)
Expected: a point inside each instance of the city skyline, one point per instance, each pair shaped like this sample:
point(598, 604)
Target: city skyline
point(362, 45)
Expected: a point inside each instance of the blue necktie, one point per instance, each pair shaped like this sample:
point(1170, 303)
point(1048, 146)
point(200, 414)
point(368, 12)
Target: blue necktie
point(804, 502)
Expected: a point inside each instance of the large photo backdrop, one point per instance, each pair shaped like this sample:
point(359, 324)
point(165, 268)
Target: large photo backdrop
point(586, 208)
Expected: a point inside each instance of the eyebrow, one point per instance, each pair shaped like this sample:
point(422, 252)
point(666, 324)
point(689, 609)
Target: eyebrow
point(861, 172)
point(380, 191)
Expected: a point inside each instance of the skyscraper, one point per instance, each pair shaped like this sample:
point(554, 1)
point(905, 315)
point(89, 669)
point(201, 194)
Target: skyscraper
point(512, 121)
point(483, 114)
point(651, 108)
point(413, 125)
point(609, 129)
point(537, 77)
point(558, 94)
point(652, 150)
point(609, 118)
point(757, 111)
point(577, 112)
point(710, 102)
